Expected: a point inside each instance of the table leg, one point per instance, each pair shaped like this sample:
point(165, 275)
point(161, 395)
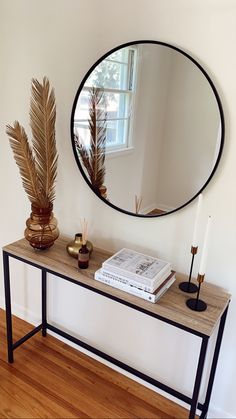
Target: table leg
point(214, 363)
point(8, 306)
point(198, 378)
point(44, 302)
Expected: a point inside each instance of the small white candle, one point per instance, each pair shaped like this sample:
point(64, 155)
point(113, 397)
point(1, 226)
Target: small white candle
point(202, 268)
point(196, 223)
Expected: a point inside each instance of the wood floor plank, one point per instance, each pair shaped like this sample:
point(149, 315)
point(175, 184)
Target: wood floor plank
point(49, 379)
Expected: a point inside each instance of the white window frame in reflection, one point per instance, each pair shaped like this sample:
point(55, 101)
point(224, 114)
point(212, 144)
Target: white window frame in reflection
point(120, 124)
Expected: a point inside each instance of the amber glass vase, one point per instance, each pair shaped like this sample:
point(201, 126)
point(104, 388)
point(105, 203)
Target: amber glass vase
point(41, 228)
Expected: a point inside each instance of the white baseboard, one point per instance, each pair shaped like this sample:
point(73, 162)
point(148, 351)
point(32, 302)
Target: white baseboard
point(215, 413)
point(21, 312)
point(32, 318)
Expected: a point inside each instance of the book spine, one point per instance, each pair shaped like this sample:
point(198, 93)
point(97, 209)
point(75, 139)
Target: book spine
point(164, 289)
point(124, 287)
point(127, 281)
point(149, 282)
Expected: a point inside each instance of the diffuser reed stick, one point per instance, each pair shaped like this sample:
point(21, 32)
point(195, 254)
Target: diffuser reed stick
point(84, 229)
point(138, 202)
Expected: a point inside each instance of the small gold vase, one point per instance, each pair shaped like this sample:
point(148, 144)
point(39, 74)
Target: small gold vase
point(41, 228)
point(75, 245)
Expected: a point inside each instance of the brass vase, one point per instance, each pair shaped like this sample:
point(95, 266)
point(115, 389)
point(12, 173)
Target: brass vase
point(41, 228)
point(75, 245)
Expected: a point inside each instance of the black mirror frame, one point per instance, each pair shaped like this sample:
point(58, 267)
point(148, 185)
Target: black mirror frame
point(217, 100)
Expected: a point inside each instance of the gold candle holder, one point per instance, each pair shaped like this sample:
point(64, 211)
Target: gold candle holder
point(188, 286)
point(200, 278)
point(195, 303)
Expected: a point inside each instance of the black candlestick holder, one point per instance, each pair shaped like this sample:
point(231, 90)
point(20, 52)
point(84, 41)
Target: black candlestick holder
point(187, 286)
point(195, 303)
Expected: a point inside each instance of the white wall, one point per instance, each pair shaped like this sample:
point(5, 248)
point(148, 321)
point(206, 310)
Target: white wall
point(135, 172)
point(62, 40)
point(149, 114)
point(190, 134)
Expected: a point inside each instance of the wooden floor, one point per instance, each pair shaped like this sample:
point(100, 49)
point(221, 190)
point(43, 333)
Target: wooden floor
point(156, 211)
point(49, 379)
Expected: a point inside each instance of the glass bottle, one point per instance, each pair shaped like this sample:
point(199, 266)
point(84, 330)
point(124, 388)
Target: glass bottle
point(83, 257)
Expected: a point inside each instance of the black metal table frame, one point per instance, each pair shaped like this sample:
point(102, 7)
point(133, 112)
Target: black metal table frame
point(193, 401)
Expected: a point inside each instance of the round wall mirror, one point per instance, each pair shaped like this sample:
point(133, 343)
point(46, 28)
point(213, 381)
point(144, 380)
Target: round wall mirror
point(147, 128)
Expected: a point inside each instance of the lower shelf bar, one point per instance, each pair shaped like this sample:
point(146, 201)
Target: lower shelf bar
point(26, 337)
point(122, 365)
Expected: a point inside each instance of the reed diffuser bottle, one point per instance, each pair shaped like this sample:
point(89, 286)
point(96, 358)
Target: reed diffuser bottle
point(83, 255)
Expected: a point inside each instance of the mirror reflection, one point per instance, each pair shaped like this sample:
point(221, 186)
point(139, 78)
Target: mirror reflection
point(147, 129)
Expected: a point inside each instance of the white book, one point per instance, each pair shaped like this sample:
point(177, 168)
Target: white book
point(152, 297)
point(137, 266)
point(135, 283)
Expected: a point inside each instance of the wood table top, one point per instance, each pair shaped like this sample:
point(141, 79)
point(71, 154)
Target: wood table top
point(171, 306)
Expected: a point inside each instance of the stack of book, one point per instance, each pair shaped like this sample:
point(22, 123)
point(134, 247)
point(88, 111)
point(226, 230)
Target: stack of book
point(138, 274)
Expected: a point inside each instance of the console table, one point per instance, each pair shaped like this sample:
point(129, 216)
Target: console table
point(171, 309)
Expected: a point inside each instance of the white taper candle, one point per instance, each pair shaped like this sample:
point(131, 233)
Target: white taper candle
point(202, 268)
point(196, 223)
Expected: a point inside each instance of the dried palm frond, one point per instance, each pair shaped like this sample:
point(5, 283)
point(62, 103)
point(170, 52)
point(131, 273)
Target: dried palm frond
point(93, 157)
point(26, 162)
point(42, 122)
point(38, 166)
point(84, 153)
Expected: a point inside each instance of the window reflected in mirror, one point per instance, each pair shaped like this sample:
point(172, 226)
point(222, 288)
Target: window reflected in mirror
point(163, 125)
